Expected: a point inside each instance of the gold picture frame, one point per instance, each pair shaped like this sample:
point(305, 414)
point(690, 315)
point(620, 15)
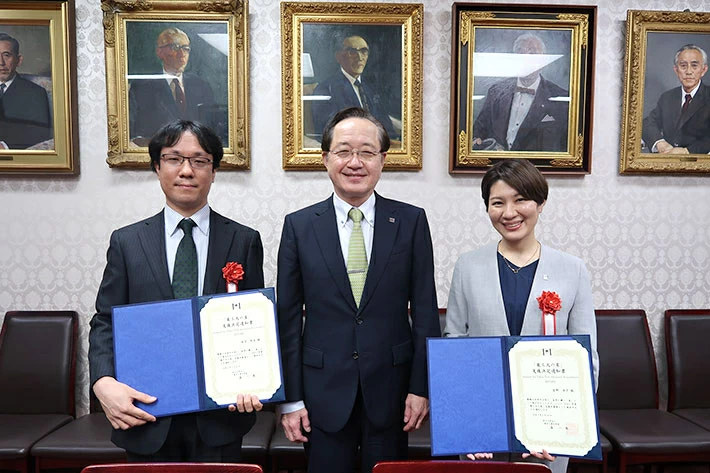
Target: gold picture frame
point(503, 53)
point(140, 96)
point(392, 44)
point(653, 99)
point(38, 117)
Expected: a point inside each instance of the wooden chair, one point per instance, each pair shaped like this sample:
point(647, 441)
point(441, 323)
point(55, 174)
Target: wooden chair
point(688, 366)
point(37, 379)
point(174, 468)
point(444, 466)
point(629, 413)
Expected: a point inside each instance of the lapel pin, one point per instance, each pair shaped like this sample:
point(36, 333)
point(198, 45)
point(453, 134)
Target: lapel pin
point(544, 276)
point(391, 219)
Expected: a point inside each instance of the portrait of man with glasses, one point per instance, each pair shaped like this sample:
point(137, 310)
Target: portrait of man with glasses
point(177, 253)
point(162, 96)
point(348, 88)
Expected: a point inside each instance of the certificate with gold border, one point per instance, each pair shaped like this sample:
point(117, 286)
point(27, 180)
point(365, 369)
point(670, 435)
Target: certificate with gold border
point(513, 394)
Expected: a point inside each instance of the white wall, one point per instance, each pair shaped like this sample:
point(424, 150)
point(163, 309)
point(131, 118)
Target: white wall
point(645, 239)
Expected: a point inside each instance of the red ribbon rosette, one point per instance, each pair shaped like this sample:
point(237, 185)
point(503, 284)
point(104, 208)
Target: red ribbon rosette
point(549, 303)
point(233, 273)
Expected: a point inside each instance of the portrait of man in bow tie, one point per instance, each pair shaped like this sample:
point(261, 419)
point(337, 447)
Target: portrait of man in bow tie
point(175, 92)
point(347, 84)
point(525, 111)
point(679, 123)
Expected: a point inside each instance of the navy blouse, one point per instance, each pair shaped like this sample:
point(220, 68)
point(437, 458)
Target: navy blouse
point(516, 291)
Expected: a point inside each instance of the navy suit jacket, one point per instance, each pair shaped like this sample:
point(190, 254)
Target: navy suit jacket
point(691, 130)
point(152, 104)
point(24, 114)
point(544, 127)
point(136, 272)
point(342, 95)
point(342, 346)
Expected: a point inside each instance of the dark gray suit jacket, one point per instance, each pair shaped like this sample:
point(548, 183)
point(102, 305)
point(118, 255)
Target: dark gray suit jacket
point(24, 114)
point(137, 271)
point(342, 345)
point(691, 130)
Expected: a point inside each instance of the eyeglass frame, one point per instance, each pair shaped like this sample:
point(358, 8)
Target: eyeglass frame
point(356, 51)
point(353, 152)
point(186, 158)
point(174, 47)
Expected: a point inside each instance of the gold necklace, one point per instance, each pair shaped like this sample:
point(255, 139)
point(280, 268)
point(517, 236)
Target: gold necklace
point(516, 270)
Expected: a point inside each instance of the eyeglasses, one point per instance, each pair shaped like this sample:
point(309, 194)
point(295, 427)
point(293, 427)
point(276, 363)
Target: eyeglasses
point(349, 153)
point(176, 160)
point(357, 52)
point(694, 66)
point(174, 47)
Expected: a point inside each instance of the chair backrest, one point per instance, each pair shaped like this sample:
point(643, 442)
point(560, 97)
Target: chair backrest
point(627, 365)
point(174, 468)
point(688, 353)
point(38, 362)
point(446, 466)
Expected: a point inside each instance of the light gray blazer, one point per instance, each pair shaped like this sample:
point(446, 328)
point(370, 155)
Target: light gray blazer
point(476, 309)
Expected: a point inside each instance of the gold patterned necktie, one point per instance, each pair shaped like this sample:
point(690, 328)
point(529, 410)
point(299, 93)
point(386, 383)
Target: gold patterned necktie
point(357, 257)
point(185, 269)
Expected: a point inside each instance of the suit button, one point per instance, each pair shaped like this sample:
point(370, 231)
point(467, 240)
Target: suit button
point(358, 321)
point(355, 355)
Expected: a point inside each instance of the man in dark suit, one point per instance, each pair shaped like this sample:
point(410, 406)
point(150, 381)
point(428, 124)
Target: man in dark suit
point(355, 369)
point(24, 107)
point(527, 113)
point(141, 263)
point(174, 95)
point(347, 88)
point(680, 123)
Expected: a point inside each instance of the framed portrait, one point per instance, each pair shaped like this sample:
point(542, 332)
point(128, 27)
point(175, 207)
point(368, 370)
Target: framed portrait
point(666, 113)
point(522, 86)
point(38, 112)
point(176, 59)
point(340, 55)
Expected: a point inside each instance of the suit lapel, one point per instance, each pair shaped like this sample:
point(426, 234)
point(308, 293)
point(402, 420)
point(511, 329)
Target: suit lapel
point(532, 323)
point(326, 232)
point(220, 240)
point(386, 227)
point(152, 240)
point(496, 308)
point(698, 103)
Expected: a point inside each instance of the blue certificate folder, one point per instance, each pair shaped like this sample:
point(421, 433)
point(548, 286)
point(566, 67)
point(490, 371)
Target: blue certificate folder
point(158, 350)
point(471, 405)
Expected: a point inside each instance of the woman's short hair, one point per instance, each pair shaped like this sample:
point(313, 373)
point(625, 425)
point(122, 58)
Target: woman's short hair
point(521, 175)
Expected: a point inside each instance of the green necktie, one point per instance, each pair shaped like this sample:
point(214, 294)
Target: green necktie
point(185, 270)
point(357, 257)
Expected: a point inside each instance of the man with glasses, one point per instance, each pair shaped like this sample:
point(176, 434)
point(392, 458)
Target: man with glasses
point(172, 95)
point(354, 368)
point(142, 266)
point(680, 123)
point(348, 88)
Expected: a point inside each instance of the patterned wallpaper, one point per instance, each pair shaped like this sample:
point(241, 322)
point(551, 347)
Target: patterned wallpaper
point(644, 239)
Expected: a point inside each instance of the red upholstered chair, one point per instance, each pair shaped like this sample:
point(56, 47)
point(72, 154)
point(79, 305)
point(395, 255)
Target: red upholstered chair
point(445, 466)
point(37, 378)
point(689, 364)
point(629, 413)
point(174, 468)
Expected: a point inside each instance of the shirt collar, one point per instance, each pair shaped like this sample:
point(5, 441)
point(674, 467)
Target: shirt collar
point(351, 78)
point(201, 218)
point(9, 82)
point(532, 86)
point(692, 92)
point(342, 208)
